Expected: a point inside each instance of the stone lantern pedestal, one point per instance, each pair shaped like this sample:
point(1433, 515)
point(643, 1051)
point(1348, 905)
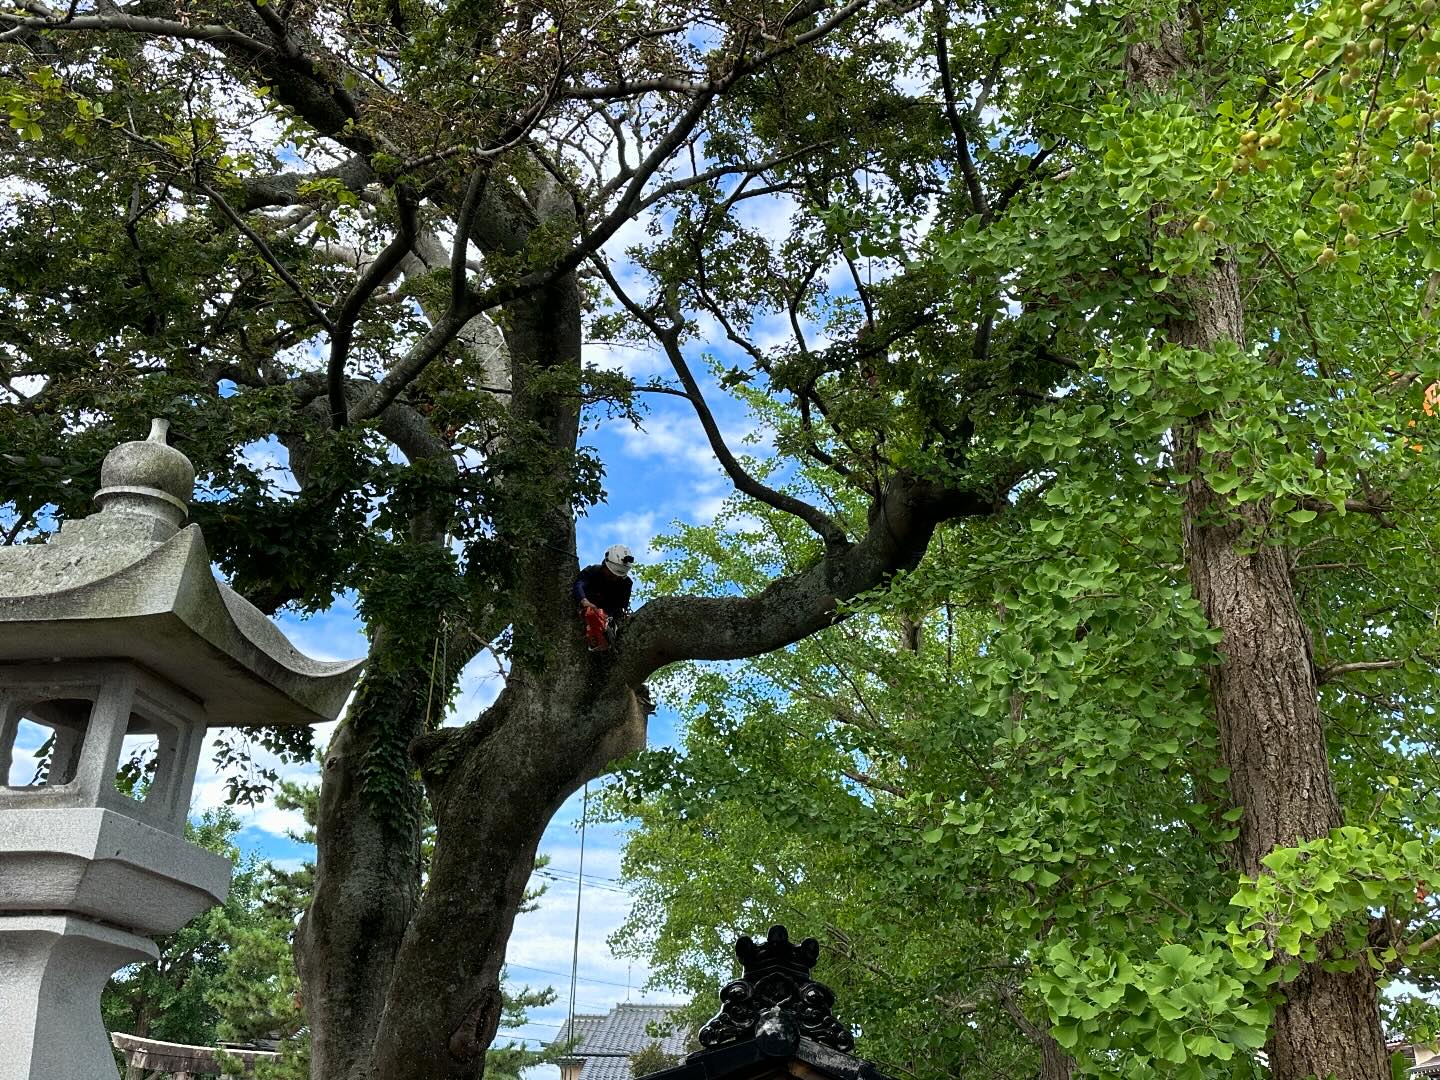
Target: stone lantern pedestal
point(117, 630)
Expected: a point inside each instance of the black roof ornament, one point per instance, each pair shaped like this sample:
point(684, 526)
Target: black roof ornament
point(775, 1001)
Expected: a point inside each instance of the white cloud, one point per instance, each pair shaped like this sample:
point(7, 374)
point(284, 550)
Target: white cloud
point(637, 362)
point(704, 509)
point(22, 768)
point(679, 439)
point(771, 216)
point(635, 531)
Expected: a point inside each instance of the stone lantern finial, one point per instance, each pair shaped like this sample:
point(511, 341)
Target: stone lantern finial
point(149, 479)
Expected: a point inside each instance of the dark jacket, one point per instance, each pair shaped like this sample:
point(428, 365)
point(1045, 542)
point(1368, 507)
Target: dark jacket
point(609, 592)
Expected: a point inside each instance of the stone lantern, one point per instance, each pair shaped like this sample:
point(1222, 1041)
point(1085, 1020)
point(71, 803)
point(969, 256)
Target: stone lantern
point(113, 634)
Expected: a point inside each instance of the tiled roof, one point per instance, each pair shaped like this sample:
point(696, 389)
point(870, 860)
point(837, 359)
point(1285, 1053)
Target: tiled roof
point(606, 1042)
point(1431, 1064)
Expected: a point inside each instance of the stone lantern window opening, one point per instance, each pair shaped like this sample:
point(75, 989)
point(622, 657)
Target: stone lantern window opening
point(42, 743)
point(122, 738)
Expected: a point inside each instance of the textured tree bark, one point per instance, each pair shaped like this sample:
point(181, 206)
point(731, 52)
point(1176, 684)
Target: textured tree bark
point(1272, 737)
point(1055, 1063)
point(367, 882)
point(493, 788)
point(367, 871)
point(1267, 709)
point(1271, 733)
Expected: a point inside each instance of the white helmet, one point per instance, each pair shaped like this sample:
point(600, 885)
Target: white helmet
point(618, 560)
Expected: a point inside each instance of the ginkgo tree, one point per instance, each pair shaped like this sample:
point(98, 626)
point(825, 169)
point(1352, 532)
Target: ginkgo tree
point(1249, 410)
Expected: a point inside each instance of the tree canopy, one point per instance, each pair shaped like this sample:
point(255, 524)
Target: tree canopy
point(1103, 341)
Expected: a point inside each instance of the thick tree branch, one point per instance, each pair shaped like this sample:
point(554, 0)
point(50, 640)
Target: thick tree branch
point(132, 24)
point(343, 333)
point(874, 783)
point(671, 629)
point(283, 189)
point(1377, 510)
point(464, 222)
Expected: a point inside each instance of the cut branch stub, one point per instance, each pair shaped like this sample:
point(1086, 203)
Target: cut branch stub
point(775, 1000)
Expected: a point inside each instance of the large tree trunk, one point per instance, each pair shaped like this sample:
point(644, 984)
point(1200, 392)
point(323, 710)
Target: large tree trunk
point(494, 785)
point(1055, 1063)
point(367, 875)
point(1267, 708)
point(494, 788)
point(369, 816)
point(1272, 737)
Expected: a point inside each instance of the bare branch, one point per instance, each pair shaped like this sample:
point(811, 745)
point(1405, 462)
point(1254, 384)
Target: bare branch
point(669, 338)
point(638, 88)
point(1353, 506)
point(1333, 671)
point(133, 24)
point(674, 628)
point(269, 256)
point(952, 114)
point(463, 224)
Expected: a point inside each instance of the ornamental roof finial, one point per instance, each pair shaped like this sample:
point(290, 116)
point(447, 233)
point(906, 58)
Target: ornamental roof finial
point(775, 1000)
point(148, 478)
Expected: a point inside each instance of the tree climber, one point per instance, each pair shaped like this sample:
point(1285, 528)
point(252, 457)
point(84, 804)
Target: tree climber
point(603, 591)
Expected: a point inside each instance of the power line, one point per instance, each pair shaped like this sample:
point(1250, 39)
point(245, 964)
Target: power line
point(594, 883)
point(558, 874)
point(563, 975)
point(572, 873)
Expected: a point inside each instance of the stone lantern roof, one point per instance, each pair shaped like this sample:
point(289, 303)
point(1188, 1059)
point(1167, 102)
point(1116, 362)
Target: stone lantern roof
point(131, 582)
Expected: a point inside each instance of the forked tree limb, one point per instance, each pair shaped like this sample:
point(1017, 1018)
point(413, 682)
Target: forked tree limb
point(342, 333)
point(671, 629)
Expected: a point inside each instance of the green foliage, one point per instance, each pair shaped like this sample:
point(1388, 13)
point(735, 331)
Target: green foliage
point(1324, 884)
point(1030, 804)
point(172, 999)
point(652, 1058)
